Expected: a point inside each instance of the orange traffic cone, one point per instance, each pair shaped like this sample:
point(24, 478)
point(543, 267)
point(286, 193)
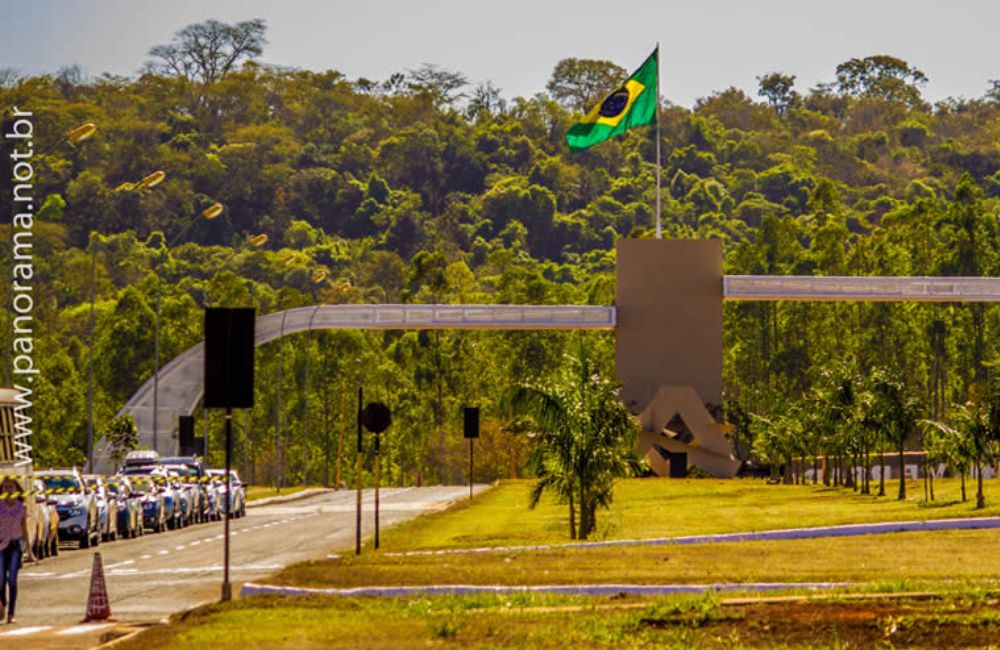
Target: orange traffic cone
point(98, 607)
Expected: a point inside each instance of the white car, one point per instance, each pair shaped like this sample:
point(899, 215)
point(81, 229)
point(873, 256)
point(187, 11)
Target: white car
point(107, 507)
point(238, 507)
point(76, 504)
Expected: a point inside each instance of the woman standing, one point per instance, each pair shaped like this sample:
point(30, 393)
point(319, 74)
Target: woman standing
point(13, 529)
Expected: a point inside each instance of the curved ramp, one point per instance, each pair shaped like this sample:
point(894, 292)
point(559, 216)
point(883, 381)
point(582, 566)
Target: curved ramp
point(181, 380)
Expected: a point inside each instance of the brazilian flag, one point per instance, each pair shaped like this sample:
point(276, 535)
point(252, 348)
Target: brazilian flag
point(630, 105)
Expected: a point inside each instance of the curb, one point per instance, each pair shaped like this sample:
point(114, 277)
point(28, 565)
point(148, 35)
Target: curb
point(251, 589)
point(114, 643)
point(142, 627)
point(304, 494)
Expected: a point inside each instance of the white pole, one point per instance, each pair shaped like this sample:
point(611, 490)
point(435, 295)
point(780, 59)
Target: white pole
point(659, 227)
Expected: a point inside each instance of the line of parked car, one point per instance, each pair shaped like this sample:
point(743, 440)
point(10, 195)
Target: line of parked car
point(148, 494)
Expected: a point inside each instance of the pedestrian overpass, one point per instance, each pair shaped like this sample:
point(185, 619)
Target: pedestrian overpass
point(668, 326)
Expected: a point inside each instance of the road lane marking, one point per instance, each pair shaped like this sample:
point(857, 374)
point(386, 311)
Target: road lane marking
point(180, 548)
point(24, 631)
point(118, 564)
point(163, 552)
point(145, 557)
point(196, 542)
point(81, 629)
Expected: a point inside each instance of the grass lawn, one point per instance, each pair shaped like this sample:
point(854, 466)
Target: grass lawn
point(960, 566)
point(651, 508)
point(667, 508)
point(255, 492)
point(535, 621)
point(924, 557)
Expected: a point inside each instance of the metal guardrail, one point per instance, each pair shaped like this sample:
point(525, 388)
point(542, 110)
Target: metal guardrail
point(861, 288)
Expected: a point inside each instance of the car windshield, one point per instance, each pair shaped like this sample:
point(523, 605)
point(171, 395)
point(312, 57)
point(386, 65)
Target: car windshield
point(62, 483)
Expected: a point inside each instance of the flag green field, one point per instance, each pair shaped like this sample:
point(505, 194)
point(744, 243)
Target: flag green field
point(630, 105)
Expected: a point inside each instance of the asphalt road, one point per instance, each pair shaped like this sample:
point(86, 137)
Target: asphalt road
point(153, 576)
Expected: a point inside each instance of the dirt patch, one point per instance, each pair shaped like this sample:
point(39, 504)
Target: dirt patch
point(861, 624)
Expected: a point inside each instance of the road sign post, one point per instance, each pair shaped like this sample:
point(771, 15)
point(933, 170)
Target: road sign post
point(229, 365)
point(377, 419)
point(471, 430)
point(357, 480)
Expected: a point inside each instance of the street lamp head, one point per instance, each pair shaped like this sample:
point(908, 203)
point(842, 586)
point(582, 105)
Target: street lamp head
point(258, 240)
point(82, 132)
point(152, 180)
point(288, 258)
point(212, 211)
point(318, 276)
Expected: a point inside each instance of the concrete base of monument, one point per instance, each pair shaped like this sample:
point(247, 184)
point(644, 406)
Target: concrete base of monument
point(677, 427)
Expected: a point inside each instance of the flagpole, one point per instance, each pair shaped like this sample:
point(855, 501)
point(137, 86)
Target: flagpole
point(659, 229)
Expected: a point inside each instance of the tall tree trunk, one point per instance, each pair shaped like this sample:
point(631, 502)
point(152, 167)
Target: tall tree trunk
point(925, 467)
point(572, 517)
point(902, 473)
point(980, 499)
point(881, 469)
point(865, 478)
point(963, 486)
point(584, 523)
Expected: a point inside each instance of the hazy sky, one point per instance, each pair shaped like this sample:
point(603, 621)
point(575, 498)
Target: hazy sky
point(706, 45)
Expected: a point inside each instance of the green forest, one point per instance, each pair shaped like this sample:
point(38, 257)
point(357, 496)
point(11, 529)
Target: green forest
point(424, 188)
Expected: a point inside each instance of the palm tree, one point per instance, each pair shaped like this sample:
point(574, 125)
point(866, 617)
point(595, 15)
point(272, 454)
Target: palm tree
point(896, 415)
point(584, 441)
point(950, 444)
point(971, 439)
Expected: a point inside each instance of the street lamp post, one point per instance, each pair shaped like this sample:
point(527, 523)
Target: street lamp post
point(209, 213)
point(277, 410)
point(90, 358)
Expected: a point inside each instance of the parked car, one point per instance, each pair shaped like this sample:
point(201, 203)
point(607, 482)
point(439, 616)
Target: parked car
point(187, 493)
point(76, 505)
point(150, 499)
point(129, 515)
point(238, 507)
point(140, 458)
point(193, 475)
point(50, 505)
point(107, 507)
point(161, 480)
point(40, 524)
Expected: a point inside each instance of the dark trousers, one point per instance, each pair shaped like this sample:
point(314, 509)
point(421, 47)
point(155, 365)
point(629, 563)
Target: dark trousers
point(10, 562)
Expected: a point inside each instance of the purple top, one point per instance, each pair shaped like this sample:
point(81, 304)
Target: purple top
point(11, 513)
